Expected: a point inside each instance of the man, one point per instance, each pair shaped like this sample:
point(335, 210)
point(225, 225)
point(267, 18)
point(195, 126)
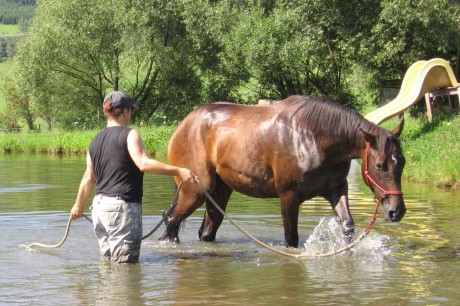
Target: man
point(115, 164)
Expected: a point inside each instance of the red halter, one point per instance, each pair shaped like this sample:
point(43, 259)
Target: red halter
point(385, 193)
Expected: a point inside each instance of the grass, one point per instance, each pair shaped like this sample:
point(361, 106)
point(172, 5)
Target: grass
point(432, 150)
point(77, 142)
point(9, 29)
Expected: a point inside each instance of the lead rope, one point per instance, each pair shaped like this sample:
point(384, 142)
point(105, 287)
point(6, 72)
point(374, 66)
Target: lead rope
point(340, 250)
point(43, 245)
point(165, 213)
point(337, 251)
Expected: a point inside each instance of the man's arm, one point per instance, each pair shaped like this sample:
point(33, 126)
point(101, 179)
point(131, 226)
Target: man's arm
point(145, 164)
point(86, 187)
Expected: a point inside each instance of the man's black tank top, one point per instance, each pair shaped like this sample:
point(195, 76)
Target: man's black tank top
point(116, 173)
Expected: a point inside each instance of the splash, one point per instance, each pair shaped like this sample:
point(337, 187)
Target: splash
point(328, 237)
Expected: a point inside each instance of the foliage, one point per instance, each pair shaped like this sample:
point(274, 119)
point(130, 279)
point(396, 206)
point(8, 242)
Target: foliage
point(79, 50)
point(172, 56)
point(5, 66)
point(408, 31)
point(274, 49)
point(156, 138)
point(17, 106)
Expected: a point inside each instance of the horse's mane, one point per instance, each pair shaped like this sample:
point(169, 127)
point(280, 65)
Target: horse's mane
point(324, 117)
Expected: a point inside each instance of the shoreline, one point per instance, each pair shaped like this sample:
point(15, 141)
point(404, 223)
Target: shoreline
point(430, 148)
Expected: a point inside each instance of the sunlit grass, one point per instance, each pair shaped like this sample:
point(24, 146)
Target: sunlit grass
point(432, 150)
point(77, 142)
point(8, 29)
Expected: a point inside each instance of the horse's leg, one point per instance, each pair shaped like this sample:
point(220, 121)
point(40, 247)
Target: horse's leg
point(212, 217)
point(188, 201)
point(290, 212)
point(338, 199)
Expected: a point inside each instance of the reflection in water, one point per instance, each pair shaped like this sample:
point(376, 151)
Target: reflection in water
point(26, 188)
point(114, 284)
point(411, 262)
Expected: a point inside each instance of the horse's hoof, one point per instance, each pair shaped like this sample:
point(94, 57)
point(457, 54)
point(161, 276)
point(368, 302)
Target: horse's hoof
point(163, 237)
point(207, 238)
point(166, 237)
point(292, 245)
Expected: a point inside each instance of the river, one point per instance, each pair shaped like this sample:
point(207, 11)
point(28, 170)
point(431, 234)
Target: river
point(414, 262)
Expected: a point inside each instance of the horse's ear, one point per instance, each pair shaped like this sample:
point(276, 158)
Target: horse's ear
point(398, 130)
point(370, 138)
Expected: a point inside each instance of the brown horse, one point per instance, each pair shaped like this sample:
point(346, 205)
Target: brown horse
point(295, 150)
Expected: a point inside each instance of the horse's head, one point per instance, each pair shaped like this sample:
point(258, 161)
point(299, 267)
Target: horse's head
point(382, 166)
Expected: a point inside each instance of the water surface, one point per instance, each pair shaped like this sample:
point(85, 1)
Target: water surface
point(414, 262)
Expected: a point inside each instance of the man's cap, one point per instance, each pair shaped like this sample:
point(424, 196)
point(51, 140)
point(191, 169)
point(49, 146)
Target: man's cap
point(119, 99)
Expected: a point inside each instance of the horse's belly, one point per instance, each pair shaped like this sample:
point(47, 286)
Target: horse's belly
point(257, 184)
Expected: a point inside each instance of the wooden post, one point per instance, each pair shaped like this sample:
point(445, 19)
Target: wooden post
point(429, 107)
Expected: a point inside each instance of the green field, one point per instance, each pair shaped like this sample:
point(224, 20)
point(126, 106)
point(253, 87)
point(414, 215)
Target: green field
point(9, 29)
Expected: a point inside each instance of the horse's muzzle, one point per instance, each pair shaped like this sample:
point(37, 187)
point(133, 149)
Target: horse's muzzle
point(394, 209)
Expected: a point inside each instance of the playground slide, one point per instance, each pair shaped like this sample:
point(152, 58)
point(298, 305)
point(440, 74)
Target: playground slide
point(420, 78)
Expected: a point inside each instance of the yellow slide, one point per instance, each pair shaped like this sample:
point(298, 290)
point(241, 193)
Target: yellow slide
point(420, 78)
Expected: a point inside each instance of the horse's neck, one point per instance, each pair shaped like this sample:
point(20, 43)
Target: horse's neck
point(358, 146)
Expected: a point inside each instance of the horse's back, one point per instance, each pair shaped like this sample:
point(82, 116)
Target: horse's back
point(220, 138)
point(215, 123)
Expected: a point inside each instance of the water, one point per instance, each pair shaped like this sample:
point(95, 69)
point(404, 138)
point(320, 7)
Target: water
point(414, 262)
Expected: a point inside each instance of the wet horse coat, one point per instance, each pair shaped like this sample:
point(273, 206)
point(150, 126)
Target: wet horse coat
point(295, 150)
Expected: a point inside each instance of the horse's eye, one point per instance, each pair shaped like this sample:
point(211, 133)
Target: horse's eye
point(379, 166)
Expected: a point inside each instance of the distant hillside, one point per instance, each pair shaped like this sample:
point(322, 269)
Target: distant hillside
point(15, 17)
point(17, 11)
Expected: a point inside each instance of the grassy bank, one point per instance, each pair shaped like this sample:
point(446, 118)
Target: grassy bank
point(77, 142)
point(432, 151)
point(431, 148)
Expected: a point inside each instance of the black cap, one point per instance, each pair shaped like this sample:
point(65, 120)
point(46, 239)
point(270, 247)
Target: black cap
point(119, 99)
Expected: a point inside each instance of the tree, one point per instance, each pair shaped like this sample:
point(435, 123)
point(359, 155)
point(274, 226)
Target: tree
point(173, 55)
point(412, 30)
point(79, 50)
point(274, 49)
point(17, 106)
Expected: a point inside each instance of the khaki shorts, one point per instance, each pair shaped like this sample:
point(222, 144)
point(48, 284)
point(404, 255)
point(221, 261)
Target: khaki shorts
point(118, 227)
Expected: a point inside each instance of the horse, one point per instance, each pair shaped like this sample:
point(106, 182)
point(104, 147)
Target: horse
point(294, 150)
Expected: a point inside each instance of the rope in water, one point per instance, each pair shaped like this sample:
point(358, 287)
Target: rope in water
point(43, 245)
point(165, 213)
point(339, 250)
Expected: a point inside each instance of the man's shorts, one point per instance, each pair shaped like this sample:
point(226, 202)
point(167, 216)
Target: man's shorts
point(118, 226)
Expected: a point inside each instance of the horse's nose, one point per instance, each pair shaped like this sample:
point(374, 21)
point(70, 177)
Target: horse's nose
point(396, 215)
